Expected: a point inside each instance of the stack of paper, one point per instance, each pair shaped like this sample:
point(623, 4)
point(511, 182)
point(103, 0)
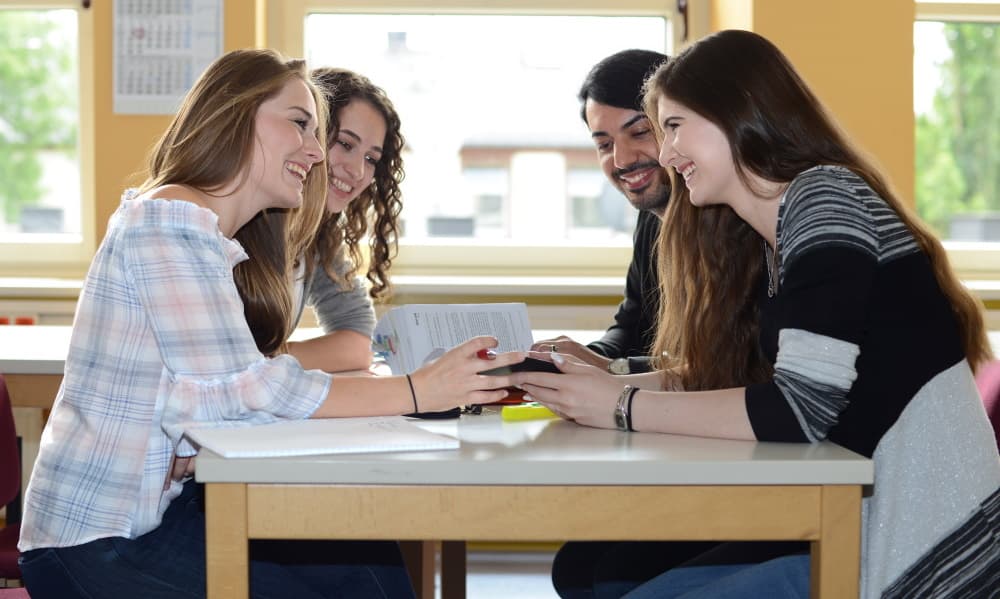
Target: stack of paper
point(320, 436)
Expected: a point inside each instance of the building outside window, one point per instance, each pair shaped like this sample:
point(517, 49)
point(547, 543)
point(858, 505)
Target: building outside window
point(496, 148)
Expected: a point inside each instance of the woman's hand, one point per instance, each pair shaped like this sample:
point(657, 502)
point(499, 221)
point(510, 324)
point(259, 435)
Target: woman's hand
point(454, 380)
point(584, 393)
point(180, 469)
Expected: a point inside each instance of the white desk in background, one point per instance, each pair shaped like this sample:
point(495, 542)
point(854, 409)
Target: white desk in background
point(31, 360)
point(542, 481)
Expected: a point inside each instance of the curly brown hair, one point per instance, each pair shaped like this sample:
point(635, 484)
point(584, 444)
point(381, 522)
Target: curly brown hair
point(376, 211)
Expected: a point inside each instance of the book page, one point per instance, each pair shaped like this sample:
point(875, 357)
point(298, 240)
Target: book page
point(423, 331)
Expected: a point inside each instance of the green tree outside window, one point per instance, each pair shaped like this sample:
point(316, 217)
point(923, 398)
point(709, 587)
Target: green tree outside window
point(38, 101)
point(958, 140)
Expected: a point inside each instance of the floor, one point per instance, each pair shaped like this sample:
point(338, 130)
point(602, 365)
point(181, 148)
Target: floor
point(509, 575)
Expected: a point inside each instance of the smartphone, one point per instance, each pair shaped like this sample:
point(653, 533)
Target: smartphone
point(528, 365)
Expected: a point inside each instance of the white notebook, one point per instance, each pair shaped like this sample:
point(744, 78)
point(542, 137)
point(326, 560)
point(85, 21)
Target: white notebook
point(320, 436)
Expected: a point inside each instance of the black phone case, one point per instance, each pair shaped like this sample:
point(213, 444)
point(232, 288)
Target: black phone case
point(529, 365)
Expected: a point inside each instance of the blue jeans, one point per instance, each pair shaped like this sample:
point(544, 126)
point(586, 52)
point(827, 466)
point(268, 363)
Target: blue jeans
point(169, 562)
point(781, 578)
point(610, 569)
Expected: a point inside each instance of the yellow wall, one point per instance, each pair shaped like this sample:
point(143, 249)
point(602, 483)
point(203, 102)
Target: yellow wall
point(857, 55)
point(123, 140)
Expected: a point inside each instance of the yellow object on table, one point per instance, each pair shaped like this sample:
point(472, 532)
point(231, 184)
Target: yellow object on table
point(528, 411)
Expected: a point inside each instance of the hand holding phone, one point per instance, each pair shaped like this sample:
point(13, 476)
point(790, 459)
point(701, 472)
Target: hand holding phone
point(528, 365)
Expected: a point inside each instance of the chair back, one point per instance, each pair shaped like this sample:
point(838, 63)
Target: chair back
point(10, 459)
point(988, 382)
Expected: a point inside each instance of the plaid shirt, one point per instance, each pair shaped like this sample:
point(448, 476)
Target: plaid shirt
point(159, 345)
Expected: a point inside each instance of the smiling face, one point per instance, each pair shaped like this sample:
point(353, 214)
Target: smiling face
point(699, 151)
point(353, 153)
point(627, 152)
point(286, 145)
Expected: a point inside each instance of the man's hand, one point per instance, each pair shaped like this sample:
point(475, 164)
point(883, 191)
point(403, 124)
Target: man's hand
point(564, 345)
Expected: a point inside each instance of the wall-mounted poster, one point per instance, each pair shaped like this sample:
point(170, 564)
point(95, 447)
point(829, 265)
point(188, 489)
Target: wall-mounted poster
point(160, 48)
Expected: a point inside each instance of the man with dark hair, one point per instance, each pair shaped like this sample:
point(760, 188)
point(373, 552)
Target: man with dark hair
point(611, 105)
point(611, 97)
point(627, 149)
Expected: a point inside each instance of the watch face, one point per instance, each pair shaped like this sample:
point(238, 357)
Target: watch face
point(620, 420)
point(619, 366)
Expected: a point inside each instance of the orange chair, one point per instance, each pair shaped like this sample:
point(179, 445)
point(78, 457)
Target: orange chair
point(10, 487)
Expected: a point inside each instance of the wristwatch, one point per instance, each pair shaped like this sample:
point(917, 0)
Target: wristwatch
point(623, 417)
point(619, 366)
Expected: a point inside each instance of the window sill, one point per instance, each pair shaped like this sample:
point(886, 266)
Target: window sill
point(526, 287)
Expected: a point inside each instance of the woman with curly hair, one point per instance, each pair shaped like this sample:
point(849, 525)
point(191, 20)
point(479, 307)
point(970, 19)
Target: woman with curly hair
point(364, 169)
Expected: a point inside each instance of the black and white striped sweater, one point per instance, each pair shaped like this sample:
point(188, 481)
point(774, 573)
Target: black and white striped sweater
point(867, 354)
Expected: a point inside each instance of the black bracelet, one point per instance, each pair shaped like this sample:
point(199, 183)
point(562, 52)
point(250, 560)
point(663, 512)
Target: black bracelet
point(628, 409)
point(413, 393)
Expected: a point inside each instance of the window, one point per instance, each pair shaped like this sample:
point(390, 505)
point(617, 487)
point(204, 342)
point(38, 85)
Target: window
point(44, 217)
point(501, 174)
point(595, 205)
point(957, 112)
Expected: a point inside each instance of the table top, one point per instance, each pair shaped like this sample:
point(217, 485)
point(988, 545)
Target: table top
point(497, 452)
point(556, 452)
point(34, 349)
point(41, 349)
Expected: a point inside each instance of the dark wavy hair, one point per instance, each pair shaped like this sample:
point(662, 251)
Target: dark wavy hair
point(210, 143)
point(376, 211)
point(617, 80)
point(776, 128)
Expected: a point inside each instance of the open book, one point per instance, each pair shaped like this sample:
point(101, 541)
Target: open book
point(408, 336)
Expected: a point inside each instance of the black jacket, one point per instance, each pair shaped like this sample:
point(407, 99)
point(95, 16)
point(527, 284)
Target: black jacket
point(635, 322)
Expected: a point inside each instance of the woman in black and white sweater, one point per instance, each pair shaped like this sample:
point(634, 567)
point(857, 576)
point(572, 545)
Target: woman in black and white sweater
point(803, 302)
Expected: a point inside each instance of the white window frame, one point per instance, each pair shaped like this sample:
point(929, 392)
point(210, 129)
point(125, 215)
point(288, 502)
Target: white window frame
point(285, 32)
point(19, 257)
point(974, 261)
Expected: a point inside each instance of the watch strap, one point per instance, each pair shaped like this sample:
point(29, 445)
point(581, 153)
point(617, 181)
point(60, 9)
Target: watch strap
point(623, 409)
point(628, 409)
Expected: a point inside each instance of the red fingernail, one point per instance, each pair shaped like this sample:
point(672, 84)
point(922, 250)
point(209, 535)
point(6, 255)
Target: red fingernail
point(486, 354)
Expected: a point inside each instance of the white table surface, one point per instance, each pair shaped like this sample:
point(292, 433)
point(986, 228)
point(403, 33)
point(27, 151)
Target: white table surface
point(556, 452)
point(33, 349)
point(41, 349)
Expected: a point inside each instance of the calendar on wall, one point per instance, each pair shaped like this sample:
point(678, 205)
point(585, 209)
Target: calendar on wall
point(160, 47)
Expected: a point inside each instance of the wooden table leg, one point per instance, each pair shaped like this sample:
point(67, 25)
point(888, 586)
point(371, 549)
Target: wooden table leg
point(453, 569)
point(226, 544)
point(421, 558)
point(836, 556)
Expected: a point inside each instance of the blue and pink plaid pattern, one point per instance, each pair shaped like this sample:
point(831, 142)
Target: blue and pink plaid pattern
point(159, 346)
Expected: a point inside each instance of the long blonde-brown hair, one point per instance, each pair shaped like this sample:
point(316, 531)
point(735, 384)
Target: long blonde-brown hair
point(712, 260)
point(209, 144)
